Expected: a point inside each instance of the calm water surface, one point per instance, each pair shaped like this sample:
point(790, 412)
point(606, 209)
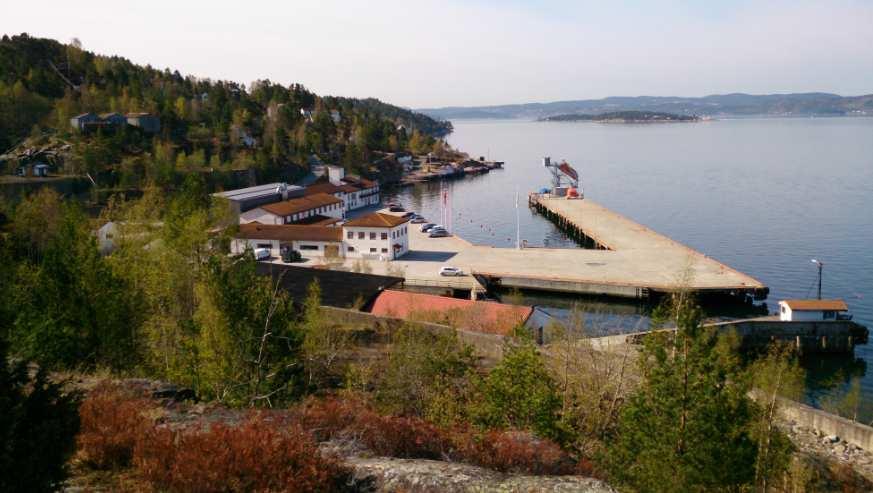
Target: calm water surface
point(762, 195)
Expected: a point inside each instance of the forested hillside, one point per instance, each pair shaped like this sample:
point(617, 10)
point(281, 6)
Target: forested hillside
point(205, 125)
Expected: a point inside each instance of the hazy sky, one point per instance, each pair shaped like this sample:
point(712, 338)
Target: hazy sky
point(477, 52)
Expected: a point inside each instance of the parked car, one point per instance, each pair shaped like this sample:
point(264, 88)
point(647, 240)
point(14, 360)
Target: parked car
point(451, 271)
point(262, 253)
point(439, 233)
point(410, 214)
point(396, 208)
point(418, 220)
point(426, 227)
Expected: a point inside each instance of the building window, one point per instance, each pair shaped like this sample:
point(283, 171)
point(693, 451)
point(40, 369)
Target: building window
point(360, 235)
point(350, 235)
point(372, 250)
point(384, 236)
point(264, 245)
point(384, 250)
point(351, 249)
point(372, 235)
point(308, 247)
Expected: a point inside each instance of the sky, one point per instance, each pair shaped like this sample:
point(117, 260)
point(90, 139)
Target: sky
point(422, 54)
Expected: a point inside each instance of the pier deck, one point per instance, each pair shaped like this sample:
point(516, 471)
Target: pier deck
point(632, 260)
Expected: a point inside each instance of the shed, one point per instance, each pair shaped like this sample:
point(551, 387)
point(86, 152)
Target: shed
point(811, 310)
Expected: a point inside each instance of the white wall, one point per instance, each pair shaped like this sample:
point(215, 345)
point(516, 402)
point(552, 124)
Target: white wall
point(259, 215)
point(786, 314)
point(238, 246)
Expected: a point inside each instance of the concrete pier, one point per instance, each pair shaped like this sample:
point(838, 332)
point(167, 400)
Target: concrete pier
point(626, 260)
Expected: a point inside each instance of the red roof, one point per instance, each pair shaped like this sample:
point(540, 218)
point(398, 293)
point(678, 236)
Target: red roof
point(481, 316)
point(377, 220)
point(816, 305)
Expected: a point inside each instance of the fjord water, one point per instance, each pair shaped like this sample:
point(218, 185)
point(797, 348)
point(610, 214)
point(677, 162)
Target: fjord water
point(761, 195)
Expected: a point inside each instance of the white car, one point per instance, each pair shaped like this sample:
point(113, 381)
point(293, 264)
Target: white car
point(262, 253)
point(451, 271)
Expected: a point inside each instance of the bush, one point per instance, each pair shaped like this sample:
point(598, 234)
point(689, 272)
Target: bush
point(389, 436)
point(515, 452)
point(112, 422)
point(38, 425)
point(254, 456)
point(414, 438)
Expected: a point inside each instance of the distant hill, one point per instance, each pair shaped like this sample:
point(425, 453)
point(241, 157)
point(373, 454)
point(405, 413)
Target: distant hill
point(197, 125)
point(623, 117)
point(738, 104)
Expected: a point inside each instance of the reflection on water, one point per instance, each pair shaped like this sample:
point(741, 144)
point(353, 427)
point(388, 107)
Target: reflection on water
point(761, 195)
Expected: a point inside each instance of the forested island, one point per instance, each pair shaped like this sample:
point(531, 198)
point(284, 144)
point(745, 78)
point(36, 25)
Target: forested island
point(623, 117)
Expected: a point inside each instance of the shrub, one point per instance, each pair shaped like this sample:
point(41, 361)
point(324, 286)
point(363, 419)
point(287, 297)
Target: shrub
point(112, 421)
point(254, 456)
point(516, 452)
point(390, 436)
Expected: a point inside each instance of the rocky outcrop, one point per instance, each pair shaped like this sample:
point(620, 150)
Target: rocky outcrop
point(417, 475)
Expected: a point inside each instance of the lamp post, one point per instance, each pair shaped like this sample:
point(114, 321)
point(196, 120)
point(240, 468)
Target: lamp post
point(820, 265)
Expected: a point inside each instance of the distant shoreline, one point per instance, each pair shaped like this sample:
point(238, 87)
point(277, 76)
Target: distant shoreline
point(634, 117)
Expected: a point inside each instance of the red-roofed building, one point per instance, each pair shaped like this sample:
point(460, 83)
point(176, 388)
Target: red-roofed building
point(480, 316)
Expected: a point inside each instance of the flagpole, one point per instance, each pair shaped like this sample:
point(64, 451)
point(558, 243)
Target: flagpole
point(517, 223)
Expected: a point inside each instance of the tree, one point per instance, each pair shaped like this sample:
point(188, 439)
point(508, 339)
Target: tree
point(324, 342)
point(776, 376)
point(248, 344)
point(426, 374)
point(520, 393)
point(38, 425)
point(688, 426)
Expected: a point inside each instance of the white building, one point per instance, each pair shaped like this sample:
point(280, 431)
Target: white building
point(354, 191)
point(310, 241)
point(319, 208)
point(376, 236)
point(811, 310)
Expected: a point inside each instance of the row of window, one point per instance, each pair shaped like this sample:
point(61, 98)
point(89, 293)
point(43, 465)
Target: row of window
point(312, 212)
point(362, 235)
point(372, 249)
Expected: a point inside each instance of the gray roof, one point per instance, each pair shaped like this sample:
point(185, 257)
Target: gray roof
point(254, 192)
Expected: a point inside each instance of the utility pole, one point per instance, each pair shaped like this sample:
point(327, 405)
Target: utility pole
point(820, 265)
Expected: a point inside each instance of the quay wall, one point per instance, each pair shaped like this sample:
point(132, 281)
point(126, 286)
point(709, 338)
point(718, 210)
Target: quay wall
point(826, 423)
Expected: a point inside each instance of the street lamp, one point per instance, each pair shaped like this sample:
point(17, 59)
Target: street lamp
point(820, 265)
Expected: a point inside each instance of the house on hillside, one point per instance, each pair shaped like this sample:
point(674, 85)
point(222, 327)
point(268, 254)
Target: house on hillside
point(115, 119)
point(146, 122)
point(79, 122)
point(295, 210)
point(812, 310)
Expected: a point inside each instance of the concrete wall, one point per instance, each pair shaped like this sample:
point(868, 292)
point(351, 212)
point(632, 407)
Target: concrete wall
point(487, 346)
point(833, 336)
point(827, 423)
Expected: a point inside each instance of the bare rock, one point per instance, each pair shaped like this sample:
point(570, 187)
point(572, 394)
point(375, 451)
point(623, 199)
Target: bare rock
point(418, 475)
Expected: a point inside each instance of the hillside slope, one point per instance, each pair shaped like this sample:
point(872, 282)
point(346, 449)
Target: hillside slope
point(267, 127)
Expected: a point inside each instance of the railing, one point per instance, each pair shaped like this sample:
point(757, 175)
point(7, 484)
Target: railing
point(468, 283)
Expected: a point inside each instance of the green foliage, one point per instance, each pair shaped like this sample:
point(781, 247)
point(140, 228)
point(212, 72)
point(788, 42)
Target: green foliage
point(426, 374)
point(38, 425)
point(248, 344)
point(44, 83)
point(71, 309)
point(520, 393)
point(690, 424)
